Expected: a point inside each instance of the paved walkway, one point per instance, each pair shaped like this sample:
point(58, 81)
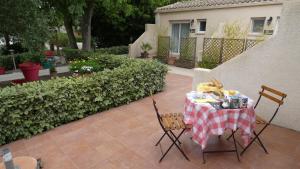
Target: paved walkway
point(64, 69)
point(124, 137)
point(19, 75)
point(181, 71)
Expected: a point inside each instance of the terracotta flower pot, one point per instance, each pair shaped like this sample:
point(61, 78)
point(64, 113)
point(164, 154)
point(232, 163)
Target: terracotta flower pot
point(2, 70)
point(30, 70)
point(171, 60)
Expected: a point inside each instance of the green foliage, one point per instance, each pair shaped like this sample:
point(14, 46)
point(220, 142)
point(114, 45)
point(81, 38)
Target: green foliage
point(25, 21)
point(60, 39)
point(163, 48)
point(115, 50)
point(29, 109)
point(98, 62)
point(146, 47)
point(75, 54)
point(7, 60)
point(35, 57)
point(86, 66)
point(127, 18)
point(207, 64)
point(234, 30)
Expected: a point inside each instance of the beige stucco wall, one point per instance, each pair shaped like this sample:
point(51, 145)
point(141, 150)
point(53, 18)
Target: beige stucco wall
point(274, 63)
point(149, 36)
point(215, 17)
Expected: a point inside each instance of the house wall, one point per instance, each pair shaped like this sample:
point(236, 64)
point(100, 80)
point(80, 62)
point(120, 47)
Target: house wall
point(149, 36)
point(215, 18)
point(274, 63)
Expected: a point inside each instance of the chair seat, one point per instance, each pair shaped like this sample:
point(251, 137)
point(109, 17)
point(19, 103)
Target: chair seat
point(260, 120)
point(173, 121)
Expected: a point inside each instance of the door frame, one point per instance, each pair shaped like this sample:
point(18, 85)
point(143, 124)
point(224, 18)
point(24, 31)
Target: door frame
point(171, 26)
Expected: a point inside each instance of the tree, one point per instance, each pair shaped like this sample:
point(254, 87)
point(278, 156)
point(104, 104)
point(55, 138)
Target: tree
point(70, 11)
point(25, 21)
point(127, 18)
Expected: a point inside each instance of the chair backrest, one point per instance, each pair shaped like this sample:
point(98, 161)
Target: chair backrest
point(157, 112)
point(273, 95)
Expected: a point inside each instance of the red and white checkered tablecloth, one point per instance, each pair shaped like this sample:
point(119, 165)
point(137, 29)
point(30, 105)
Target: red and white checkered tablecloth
point(206, 120)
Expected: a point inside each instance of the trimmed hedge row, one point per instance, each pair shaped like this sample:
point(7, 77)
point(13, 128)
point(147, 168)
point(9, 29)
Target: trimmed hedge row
point(115, 50)
point(77, 54)
point(32, 108)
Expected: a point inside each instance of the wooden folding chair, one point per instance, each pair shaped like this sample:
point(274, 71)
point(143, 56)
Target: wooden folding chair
point(275, 96)
point(169, 123)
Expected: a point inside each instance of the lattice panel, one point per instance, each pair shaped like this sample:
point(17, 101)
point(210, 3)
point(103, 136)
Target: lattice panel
point(232, 48)
point(212, 49)
point(250, 43)
point(163, 48)
point(188, 48)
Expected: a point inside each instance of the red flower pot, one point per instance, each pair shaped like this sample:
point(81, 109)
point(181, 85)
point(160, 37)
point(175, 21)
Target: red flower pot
point(30, 70)
point(49, 53)
point(2, 70)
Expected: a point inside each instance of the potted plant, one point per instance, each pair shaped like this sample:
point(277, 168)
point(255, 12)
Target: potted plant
point(171, 60)
point(30, 66)
point(146, 47)
point(53, 71)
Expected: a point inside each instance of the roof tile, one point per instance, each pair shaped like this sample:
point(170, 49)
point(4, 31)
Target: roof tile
point(211, 3)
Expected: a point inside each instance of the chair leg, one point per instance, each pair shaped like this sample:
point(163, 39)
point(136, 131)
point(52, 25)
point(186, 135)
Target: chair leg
point(203, 157)
point(174, 143)
point(256, 137)
point(236, 150)
point(160, 139)
point(260, 142)
point(175, 137)
point(232, 134)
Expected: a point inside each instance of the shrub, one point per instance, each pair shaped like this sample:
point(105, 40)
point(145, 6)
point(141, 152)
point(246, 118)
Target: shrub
point(75, 54)
point(207, 64)
point(32, 108)
point(98, 62)
point(115, 50)
point(7, 61)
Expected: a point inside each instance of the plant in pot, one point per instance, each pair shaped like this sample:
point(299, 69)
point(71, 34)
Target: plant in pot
point(171, 60)
point(53, 71)
point(146, 47)
point(30, 66)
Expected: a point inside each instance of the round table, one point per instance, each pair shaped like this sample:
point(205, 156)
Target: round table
point(23, 162)
point(207, 120)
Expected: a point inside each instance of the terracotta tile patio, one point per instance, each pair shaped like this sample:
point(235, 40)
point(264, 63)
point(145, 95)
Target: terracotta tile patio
point(124, 137)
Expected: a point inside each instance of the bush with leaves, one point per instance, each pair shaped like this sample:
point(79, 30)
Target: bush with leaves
point(75, 54)
point(31, 108)
point(115, 50)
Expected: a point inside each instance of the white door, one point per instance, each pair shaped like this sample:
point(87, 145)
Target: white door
point(179, 30)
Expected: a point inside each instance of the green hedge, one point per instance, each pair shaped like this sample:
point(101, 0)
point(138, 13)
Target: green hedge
point(98, 62)
point(32, 108)
point(115, 50)
point(75, 54)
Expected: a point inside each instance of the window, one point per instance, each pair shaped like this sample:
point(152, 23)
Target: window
point(202, 26)
point(258, 25)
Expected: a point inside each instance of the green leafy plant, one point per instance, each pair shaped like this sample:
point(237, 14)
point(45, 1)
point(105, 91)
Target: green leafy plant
point(116, 50)
point(32, 108)
point(146, 47)
point(75, 54)
point(35, 57)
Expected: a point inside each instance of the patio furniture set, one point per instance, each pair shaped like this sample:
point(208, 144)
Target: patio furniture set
point(211, 110)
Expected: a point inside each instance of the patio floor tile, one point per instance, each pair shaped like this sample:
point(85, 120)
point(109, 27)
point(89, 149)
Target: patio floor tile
point(124, 137)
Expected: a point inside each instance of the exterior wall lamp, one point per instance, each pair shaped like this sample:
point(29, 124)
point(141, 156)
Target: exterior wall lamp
point(269, 21)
